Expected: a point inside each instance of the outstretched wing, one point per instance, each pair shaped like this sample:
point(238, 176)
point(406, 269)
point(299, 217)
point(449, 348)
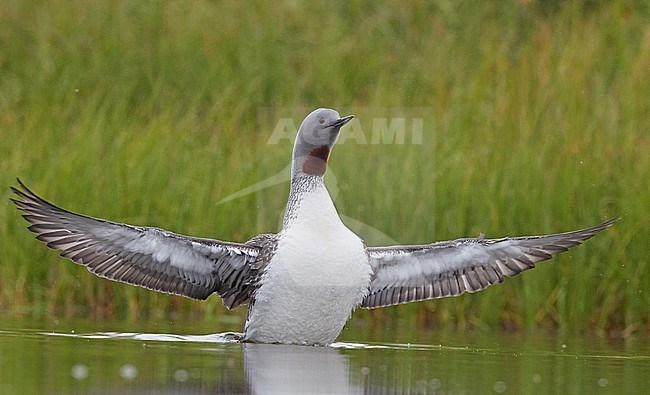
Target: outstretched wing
point(404, 274)
point(149, 257)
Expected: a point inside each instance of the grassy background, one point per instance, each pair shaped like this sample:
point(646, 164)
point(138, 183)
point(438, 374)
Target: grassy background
point(535, 114)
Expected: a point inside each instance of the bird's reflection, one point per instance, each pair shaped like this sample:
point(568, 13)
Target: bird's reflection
point(273, 368)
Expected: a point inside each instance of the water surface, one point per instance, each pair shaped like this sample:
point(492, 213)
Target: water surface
point(37, 360)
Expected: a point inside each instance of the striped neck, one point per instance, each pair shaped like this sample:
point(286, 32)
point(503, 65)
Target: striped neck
point(301, 185)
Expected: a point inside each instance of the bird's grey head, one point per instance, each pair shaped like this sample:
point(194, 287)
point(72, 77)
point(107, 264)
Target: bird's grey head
point(316, 137)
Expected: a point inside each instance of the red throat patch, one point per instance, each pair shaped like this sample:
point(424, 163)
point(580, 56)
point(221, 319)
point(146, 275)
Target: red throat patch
point(316, 162)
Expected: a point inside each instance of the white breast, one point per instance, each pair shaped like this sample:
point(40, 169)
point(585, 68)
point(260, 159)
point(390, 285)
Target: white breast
point(318, 275)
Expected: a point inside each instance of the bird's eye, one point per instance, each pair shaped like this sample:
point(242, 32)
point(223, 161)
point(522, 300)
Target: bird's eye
point(321, 120)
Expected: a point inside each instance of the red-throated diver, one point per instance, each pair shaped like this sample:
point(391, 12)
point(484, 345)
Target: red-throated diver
point(302, 283)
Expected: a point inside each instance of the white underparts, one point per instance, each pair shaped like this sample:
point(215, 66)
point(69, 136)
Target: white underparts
point(319, 274)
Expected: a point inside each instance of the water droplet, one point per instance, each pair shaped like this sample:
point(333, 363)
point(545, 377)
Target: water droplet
point(181, 375)
point(79, 371)
point(195, 373)
point(500, 387)
point(603, 382)
point(128, 372)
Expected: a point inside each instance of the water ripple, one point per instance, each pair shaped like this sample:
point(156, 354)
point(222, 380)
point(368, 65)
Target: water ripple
point(234, 337)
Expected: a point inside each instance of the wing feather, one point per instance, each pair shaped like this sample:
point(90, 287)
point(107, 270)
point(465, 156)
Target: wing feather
point(404, 274)
point(148, 257)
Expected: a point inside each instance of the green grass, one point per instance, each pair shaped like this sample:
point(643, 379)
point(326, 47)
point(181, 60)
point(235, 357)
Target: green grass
point(535, 116)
